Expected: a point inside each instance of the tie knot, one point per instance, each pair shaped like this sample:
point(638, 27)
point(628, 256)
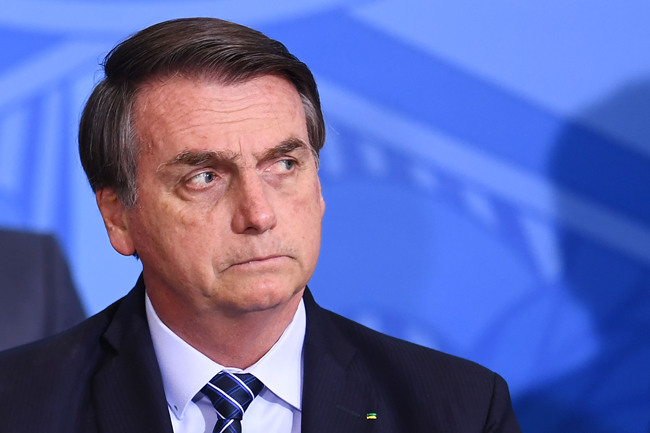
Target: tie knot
point(231, 393)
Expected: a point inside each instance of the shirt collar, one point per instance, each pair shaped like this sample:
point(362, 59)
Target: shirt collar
point(185, 370)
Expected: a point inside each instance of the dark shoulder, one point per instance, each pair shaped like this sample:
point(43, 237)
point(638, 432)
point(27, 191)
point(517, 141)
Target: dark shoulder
point(64, 354)
point(56, 375)
point(436, 391)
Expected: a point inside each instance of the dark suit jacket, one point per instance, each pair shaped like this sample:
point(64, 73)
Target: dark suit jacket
point(37, 297)
point(103, 376)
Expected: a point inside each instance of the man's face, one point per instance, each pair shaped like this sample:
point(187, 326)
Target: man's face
point(229, 209)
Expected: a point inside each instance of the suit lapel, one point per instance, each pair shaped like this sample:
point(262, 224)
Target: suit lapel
point(336, 397)
point(127, 389)
point(128, 394)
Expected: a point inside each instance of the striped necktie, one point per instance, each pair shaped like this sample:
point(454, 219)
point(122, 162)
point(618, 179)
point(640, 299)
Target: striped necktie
point(230, 395)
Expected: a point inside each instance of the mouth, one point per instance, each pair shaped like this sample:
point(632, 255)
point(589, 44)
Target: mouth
point(262, 261)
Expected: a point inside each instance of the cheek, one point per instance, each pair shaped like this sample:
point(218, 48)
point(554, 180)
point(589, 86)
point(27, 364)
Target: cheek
point(160, 226)
point(307, 213)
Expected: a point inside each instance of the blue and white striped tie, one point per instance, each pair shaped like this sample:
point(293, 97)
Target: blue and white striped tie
point(231, 394)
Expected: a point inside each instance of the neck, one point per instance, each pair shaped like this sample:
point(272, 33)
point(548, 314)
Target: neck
point(231, 340)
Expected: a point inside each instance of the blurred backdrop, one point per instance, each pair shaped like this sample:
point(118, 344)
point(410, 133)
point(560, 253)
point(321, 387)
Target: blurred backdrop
point(486, 174)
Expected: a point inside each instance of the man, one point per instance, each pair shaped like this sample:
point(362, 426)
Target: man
point(37, 296)
point(201, 145)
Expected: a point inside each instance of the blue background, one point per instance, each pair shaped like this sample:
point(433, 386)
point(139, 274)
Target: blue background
point(486, 176)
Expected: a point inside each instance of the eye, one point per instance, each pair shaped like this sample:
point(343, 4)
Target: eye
point(281, 168)
point(287, 164)
point(202, 179)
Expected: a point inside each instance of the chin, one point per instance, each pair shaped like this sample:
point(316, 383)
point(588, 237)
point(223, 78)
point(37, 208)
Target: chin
point(270, 296)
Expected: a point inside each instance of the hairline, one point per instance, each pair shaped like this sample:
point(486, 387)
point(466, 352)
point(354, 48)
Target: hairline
point(129, 198)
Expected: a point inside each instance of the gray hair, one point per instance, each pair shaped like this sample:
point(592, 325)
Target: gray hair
point(202, 48)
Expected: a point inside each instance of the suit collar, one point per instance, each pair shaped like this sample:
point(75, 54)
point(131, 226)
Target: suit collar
point(337, 395)
point(127, 388)
point(128, 393)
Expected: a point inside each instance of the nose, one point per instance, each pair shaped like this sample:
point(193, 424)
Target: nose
point(253, 212)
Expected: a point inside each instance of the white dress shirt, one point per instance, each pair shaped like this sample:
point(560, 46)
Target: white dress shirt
point(185, 370)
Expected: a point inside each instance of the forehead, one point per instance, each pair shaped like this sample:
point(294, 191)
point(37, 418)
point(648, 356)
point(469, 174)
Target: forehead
point(176, 114)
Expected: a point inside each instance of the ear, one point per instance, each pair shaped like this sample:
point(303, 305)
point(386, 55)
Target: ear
point(115, 219)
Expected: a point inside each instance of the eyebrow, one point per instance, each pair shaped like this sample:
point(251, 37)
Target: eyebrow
point(207, 157)
point(286, 146)
point(198, 158)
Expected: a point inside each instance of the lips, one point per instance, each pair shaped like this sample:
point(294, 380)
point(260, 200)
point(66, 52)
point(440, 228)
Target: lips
point(258, 261)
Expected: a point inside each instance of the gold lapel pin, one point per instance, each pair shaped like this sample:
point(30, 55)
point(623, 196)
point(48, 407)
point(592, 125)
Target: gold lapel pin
point(371, 415)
